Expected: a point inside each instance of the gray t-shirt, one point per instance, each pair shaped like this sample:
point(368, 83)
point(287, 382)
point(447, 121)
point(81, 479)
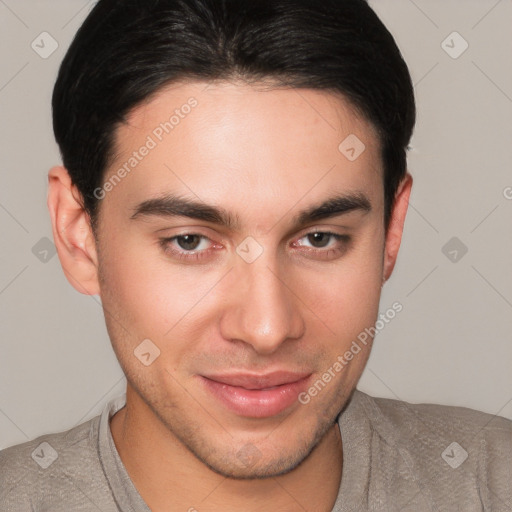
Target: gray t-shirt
point(397, 457)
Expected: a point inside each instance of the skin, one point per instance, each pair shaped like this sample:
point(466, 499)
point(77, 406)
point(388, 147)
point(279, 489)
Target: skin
point(262, 154)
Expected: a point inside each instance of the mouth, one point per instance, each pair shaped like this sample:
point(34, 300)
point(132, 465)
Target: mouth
point(256, 396)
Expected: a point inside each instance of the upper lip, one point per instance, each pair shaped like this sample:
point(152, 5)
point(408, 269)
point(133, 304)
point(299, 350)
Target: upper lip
point(254, 381)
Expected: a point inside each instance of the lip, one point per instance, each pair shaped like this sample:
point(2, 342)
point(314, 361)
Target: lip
point(256, 396)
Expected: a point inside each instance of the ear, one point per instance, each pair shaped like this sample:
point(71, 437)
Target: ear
point(396, 226)
point(72, 233)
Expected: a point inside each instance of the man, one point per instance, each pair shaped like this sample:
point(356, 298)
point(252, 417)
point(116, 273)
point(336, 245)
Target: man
point(234, 188)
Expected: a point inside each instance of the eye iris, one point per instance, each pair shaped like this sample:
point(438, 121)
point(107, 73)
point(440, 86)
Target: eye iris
point(188, 242)
point(319, 238)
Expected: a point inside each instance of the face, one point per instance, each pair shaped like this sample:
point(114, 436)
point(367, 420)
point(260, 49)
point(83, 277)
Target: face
point(255, 277)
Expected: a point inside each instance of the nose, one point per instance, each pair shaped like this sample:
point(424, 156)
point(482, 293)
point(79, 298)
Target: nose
point(263, 310)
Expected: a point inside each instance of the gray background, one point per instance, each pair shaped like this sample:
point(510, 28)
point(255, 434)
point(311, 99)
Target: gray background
point(451, 344)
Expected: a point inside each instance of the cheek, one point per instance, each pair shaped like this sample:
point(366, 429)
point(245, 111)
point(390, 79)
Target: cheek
point(148, 296)
point(132, 287)
point(346, 297)
point(141, 302)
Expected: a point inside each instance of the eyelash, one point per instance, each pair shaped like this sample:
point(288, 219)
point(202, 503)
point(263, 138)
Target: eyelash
point(184, 255)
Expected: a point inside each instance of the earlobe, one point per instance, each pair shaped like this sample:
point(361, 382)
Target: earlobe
point(72, 233)
point(396, 226)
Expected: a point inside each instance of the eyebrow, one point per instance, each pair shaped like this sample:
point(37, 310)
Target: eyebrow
point(171, 205)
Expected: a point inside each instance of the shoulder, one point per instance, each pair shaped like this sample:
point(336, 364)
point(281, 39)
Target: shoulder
point(447, 446)
point(443, 422)
point(50, 467)
point(43, 451)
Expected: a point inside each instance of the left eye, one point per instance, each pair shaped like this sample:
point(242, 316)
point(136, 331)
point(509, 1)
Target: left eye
point(320, 239)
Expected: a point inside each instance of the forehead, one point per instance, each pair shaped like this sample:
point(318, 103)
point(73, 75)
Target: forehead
point(220, 141)
point(228, 103)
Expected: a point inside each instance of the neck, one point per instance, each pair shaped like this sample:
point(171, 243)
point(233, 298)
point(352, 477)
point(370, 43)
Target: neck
point(169, 477)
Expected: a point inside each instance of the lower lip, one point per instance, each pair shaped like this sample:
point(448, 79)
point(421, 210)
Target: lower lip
point(256, 403)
